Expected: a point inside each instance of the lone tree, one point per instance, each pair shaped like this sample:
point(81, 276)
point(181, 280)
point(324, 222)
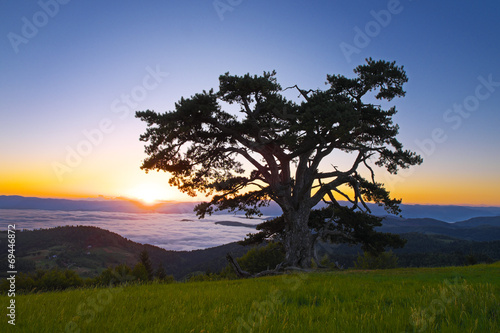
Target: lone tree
point(145, 260)
point(282, 143)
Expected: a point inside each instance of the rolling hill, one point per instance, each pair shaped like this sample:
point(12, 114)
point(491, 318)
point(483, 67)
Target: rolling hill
point(89, 250)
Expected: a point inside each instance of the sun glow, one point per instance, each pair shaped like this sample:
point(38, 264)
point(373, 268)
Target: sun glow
point(149, 193)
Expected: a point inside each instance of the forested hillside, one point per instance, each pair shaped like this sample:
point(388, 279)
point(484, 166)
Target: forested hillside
point(89, 250)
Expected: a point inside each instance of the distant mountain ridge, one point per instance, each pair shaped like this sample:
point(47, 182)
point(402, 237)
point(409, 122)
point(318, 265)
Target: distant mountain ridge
point(446, 213)
point(101, 205)
point(476, 229)
point(438, 212)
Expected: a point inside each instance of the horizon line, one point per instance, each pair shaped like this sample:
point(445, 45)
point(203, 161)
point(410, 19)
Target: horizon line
point(158, 202)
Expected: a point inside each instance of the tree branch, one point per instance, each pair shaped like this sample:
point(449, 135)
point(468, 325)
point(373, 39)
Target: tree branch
point(302, 92)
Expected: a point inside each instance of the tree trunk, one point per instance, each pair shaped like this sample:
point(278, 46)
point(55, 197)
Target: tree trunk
point(298, 239)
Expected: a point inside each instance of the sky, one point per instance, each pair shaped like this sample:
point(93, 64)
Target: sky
point(73, 73)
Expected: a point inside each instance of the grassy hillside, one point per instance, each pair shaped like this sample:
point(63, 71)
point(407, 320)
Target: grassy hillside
point(452, 299)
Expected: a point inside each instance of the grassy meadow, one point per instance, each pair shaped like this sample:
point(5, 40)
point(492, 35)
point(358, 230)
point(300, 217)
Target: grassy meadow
point(451, 299)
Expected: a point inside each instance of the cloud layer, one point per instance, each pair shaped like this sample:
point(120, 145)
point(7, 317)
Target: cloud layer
point(180, 232)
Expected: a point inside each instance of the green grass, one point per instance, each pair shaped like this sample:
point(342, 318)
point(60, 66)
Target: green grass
point(451, 299)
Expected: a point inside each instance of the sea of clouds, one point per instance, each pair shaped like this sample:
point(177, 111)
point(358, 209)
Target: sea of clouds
point(179, 232)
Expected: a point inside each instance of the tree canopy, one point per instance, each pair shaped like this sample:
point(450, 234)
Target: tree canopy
point(273, 147)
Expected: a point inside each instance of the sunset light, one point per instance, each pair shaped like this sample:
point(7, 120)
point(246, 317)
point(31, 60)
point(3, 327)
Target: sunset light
point(95, 148)
point(149, 193)
point(230, 165)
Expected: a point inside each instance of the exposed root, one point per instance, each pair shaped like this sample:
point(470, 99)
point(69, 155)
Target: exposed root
point(277, 271)
point(236, 267)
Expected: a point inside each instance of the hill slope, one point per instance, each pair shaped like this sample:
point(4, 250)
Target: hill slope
point(454, 299)
point(88, 250)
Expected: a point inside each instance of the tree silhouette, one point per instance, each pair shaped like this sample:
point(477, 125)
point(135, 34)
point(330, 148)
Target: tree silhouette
point(273, 148)
point(146, 262)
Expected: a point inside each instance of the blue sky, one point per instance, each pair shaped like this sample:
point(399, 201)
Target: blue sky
point(76, 68)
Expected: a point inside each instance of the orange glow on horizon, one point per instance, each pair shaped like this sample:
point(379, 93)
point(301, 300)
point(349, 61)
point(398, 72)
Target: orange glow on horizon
point(434, 192)
point(153, 187)
point(410, 197)
point(149, 193)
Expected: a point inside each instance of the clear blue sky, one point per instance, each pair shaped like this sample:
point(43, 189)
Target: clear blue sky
point(68, 67)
